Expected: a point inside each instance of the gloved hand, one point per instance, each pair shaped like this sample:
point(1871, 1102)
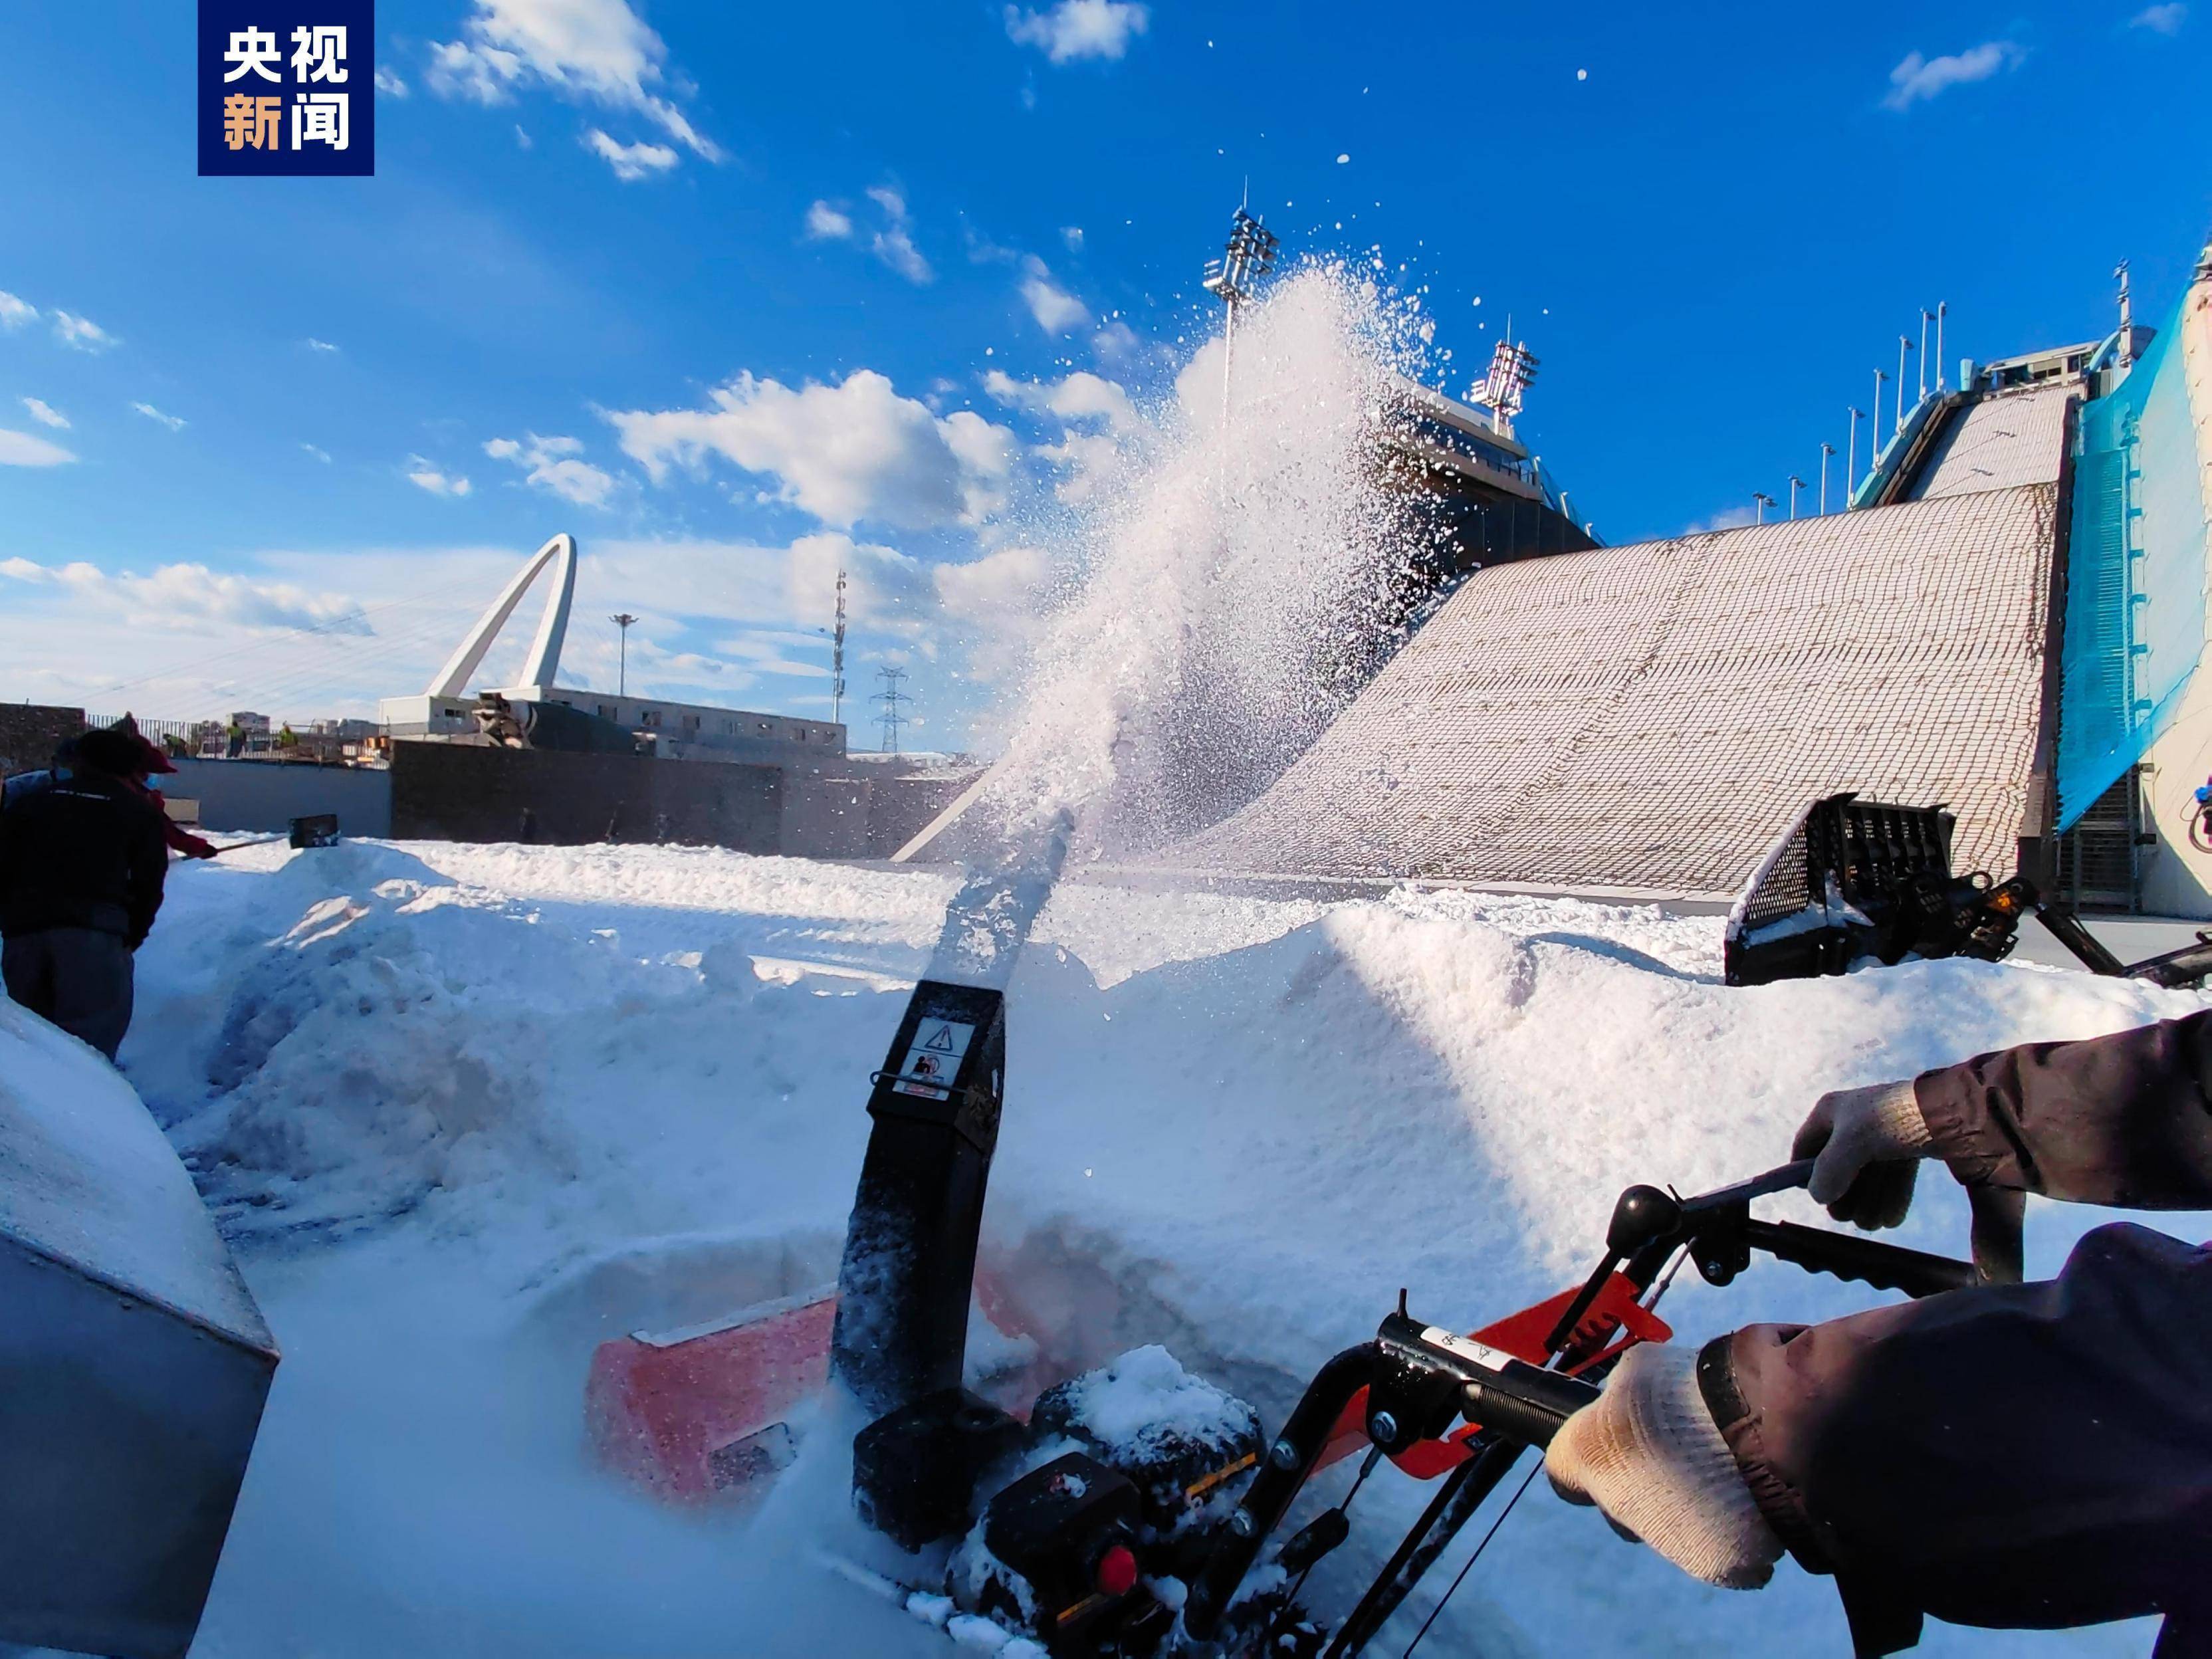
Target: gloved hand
point(1866, 1145)
point(1648, 1454)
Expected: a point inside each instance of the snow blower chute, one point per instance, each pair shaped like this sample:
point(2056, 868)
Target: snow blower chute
point(695, 1413)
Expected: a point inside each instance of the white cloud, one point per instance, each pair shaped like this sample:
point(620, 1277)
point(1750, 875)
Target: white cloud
point(1057, 310)
point(318, 452)
point(523, 140)
point(1072, 235)
point(894, 243)
point(825, 223)
point(26, 449)
point(190, 596)
point(313, 345)
point(884, 588)
point(1082, 397)
point(15, 312)
point(46, 414)
point(2161, 20)
point(595, 51)
point(1115, 342)
point(425, 475)
point(82, 332)
point(551, 463)
point(848, 452)
point(1918, 79)
point(388, 81)
point(630, 161)
point(174, 422)
point(1101, 425)
point(1079, 29)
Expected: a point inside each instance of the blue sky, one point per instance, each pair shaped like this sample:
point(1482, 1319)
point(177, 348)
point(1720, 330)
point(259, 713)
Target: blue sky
point(718, 287)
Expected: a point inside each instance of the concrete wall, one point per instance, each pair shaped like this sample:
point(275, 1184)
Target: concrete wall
point(265, 796)
point(2177, 878)
point(860, 818)
point(461, 792)
point(30, 731)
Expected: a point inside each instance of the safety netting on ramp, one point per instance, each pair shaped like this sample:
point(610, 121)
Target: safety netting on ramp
point(1649, 719)
point(2136, 573)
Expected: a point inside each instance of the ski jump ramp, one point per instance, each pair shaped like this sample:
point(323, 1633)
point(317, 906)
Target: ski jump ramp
point(1643, 721)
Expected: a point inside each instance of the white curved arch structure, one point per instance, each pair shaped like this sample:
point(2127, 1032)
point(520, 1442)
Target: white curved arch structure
point(544, 660)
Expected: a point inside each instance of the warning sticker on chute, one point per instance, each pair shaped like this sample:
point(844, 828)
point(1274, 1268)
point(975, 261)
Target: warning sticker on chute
point(934, 1056)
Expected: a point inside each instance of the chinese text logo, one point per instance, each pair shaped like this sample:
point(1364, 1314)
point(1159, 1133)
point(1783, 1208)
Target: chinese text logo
point(287, 88)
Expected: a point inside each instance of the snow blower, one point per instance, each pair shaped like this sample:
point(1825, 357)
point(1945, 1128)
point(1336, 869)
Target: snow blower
point(1853, 880)
point(1090, 1535)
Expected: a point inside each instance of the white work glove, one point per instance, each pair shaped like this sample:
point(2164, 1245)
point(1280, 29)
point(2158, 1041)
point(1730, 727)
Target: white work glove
point(1866, 1145)
point(1648, 1455)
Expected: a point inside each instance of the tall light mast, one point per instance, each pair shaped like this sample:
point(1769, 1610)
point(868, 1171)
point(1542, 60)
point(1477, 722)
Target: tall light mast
point(622, 619)
point(838, 658)
point(1248, 257)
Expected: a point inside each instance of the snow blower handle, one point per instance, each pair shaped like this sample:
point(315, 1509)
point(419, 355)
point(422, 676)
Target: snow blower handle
point(1509, 1397)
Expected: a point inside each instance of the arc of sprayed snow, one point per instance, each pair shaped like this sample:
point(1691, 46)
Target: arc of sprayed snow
point(989, 919)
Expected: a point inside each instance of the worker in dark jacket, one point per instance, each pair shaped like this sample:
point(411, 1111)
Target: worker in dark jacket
point(2018, 1456)
point(82, 865)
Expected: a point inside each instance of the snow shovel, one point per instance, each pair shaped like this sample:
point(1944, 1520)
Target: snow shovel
point(319, 829)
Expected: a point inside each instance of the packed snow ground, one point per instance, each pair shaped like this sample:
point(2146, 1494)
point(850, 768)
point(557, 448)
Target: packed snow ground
point(466, 1111)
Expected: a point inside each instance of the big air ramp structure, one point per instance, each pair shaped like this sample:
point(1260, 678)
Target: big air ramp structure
point(1644, 721)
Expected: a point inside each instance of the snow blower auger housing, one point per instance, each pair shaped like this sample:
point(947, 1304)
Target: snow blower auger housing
point(1854, 879)
point(1099, 1541)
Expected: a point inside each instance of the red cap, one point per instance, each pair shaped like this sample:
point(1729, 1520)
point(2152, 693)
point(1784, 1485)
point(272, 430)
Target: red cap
point(1117, 1571)
point(157, 758)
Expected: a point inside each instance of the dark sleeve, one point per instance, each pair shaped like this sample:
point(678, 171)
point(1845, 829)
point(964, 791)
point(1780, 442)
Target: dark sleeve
point(2123, 1119)
point(2015, 1456)
point(150, 870)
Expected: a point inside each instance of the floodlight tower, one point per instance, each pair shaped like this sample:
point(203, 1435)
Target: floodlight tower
point(1926, 317)
point(622, 619)
point(1828, 454)
point(1904, 349)
point(1796, 484)
point(1512, 367)
point(1760, 501)
point(1874, 431)
point(1852, 456)
point(1247, 257)
point(1941, 307)
point(837, 657)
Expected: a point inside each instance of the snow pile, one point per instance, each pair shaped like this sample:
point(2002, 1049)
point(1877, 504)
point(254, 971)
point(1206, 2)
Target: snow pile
point(86, 1178)
point(469, 1110)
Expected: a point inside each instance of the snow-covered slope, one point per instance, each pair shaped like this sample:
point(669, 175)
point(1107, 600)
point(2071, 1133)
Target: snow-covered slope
point(467, 1110)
